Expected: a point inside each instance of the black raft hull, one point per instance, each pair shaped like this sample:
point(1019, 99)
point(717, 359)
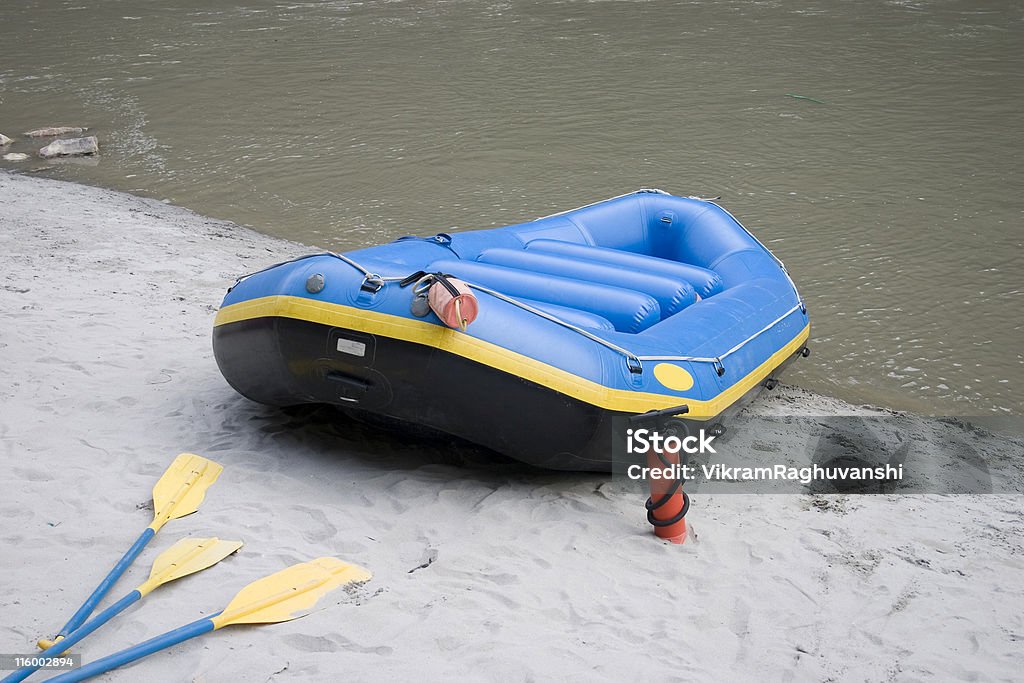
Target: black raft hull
point(283, 362)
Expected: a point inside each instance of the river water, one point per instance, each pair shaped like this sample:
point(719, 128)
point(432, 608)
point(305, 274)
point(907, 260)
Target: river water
point(893, 194)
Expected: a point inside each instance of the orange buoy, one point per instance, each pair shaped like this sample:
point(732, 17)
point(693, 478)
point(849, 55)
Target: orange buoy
point(668, 504)
point(453, 302)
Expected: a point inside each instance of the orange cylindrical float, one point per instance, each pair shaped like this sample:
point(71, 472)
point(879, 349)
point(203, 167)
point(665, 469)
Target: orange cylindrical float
point(453, 302)
point(668, 504)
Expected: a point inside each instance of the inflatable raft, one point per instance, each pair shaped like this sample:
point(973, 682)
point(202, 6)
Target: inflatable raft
point(644, 302)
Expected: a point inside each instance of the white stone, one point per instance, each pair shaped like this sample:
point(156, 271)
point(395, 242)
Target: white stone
point(70, 147)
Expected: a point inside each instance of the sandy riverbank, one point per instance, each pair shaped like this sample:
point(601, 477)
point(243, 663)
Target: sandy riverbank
point(482, 570)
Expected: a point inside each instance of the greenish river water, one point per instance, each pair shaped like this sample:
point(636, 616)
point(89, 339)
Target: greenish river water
point(895, 199)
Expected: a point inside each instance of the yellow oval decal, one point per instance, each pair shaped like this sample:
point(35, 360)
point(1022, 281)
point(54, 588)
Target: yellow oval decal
point(673, 376)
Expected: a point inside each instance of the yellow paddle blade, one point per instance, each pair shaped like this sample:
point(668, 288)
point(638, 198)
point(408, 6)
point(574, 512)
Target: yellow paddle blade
point(187, 556)
point(290, 593)
point(182, 487)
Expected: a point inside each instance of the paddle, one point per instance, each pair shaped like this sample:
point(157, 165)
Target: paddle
point(288, 594)
point(187, 556)
point(178, 493)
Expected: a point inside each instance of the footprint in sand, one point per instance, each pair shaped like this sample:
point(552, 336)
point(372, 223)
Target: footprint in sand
point(739, 623)
point(53, 360)
point(903, 599)
point(323, 531)
point(306, 643)
point(23, 474)
point(501, 579)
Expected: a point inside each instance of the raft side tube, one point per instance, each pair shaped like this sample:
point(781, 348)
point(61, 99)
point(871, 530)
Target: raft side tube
point(706, 282)
point(672, 294)
point(627, 309)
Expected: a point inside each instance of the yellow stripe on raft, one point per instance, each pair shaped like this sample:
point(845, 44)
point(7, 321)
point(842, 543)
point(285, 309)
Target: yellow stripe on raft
point(466, 346)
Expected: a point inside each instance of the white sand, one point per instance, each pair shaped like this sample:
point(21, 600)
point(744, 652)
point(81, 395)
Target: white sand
point(106, 373)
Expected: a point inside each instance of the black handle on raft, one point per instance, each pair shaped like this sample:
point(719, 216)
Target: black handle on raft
point(371, 284)
point(655, 414)
point(415, 277)
point(443, 279)
point(437, 277)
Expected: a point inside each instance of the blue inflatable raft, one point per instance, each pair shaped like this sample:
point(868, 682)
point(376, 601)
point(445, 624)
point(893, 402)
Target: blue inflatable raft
point(639, 303)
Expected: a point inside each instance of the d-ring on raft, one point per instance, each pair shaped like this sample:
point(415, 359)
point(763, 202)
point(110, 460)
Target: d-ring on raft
point(636, 303)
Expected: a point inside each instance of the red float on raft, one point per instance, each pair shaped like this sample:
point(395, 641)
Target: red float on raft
point(453, 302)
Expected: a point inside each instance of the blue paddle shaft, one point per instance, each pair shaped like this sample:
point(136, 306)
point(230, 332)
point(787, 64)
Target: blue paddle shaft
point(77, 635)
point(196, 628)
point(89, 605)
